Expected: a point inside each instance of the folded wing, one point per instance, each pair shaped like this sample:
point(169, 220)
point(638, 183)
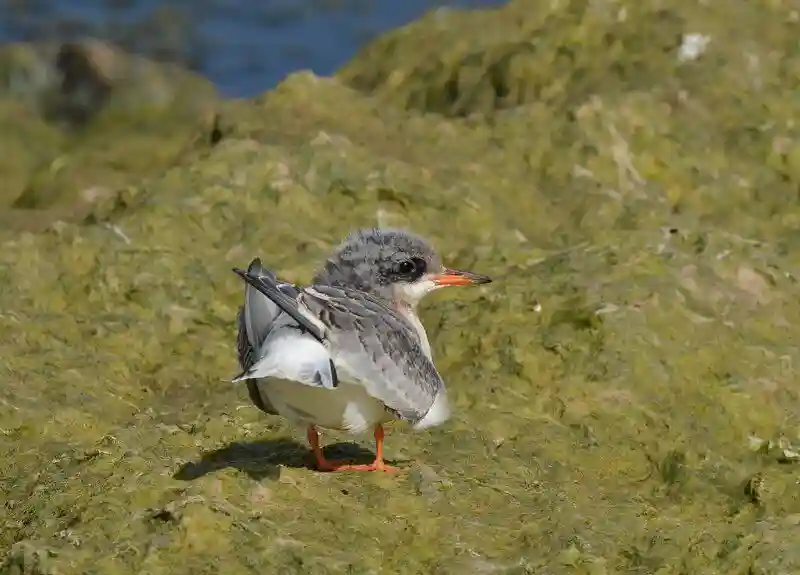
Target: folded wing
point(373, 345)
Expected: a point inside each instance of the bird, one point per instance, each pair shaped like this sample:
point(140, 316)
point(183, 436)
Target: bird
point(348, 351)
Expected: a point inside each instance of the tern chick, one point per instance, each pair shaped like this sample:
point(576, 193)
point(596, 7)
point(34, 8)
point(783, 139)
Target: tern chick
point(348, 352)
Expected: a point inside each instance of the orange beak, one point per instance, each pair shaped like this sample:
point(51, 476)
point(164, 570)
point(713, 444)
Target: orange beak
point(450, 277)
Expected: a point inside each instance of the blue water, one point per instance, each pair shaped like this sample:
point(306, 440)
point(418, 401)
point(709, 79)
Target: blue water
point(243, 46)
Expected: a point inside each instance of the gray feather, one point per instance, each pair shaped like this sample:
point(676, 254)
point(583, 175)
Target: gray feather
point(255, 320)
point(259, 311)
point(362, 260)
point(272, 314)
point(374, 345)
point(284, 296)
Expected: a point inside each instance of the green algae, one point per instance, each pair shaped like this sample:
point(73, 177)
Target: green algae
point(64, 148)
point(619, 429)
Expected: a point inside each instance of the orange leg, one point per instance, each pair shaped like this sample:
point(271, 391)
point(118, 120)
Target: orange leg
point(378, 464)
point(322, 464)
point(325, 465)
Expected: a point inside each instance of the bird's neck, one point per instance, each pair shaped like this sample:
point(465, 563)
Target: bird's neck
point(410, 314)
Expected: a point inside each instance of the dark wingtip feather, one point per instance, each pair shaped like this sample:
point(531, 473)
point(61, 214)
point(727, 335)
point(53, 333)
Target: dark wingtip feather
point(250, 277)
point(258, 269)
point(239, 377)
point(334, 375)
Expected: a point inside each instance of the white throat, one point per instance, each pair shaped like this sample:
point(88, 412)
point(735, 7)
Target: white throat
point(407, 296)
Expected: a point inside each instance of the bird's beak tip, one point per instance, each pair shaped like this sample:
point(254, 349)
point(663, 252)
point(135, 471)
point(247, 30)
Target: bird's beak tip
point(453, 277)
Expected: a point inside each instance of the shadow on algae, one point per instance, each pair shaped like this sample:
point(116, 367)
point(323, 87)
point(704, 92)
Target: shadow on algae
point(632, 168)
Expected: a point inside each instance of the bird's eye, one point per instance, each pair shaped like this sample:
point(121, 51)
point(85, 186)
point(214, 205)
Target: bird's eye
point(410, 267)
point(405, 267)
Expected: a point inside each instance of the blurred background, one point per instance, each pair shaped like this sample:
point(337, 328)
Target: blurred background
point(244, 47)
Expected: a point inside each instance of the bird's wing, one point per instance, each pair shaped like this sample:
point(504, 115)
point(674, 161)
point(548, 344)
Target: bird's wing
point(294, 345)
point(286, 300)
point(376, 347)
point(256, 318)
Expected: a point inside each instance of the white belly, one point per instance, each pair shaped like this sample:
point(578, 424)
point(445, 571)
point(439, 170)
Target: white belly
point(347, 408)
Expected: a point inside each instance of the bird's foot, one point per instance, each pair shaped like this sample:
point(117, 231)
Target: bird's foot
point(324, 464)
point(377, 465)
point(329, 464)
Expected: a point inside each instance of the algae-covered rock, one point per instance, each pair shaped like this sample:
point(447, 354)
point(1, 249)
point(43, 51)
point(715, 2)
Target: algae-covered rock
point(84, 115)
point(28, 142)
point(609, 386)
point(462, 62)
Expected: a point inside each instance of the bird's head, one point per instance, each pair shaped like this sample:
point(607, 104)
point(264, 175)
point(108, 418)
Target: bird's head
point(392, 264)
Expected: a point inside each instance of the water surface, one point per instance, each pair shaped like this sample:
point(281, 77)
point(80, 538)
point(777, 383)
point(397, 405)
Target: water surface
point(245, 47)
